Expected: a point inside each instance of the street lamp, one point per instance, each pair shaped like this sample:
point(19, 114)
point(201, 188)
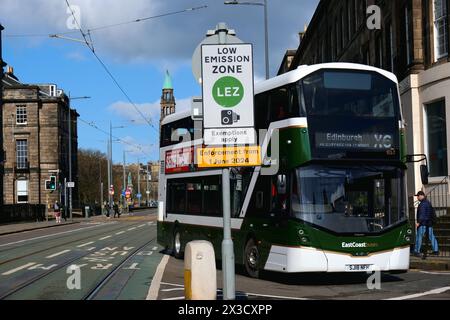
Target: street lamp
point(69, 120)
point(266, 27)
point(110, 169)
point(124, 176)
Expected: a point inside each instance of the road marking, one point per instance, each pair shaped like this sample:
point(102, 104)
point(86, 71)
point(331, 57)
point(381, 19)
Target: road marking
point(105, 237)
point(131, 228)
point(41, 266)
point(155, 248)
point(176, 298)
point(90, 249)
point(436, 273)
point(219, 292)
point(172, 284)
point(418, 295)
point(50, 235)
point(156, 281)
point(140, 226)
point(174, 289)
point(120, 232)
point(57, 254)
point(85, 244)
point(276, 297)
point(7, 273)
point(133, 267)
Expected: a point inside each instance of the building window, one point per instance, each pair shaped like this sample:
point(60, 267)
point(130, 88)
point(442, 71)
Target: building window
point(22, 191)
point(21, 115)
point(22, 154)
point(440, 29)
point(436, 137)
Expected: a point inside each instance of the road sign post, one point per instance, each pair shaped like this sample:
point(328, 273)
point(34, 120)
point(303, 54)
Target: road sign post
point(227, 95)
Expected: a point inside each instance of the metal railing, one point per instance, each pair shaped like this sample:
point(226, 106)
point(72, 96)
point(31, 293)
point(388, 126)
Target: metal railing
point(439, 196)
point(22, 212)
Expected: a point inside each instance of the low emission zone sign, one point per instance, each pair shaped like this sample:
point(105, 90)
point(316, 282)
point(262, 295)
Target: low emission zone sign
point(227, 73)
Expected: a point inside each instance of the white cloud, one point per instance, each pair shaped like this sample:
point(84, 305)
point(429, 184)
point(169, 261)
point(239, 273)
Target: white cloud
point(136, 150)
point(151, 110)
point(165, 41)
point(76, 56)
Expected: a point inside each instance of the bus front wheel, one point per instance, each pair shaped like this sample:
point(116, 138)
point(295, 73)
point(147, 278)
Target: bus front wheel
point(251, 256)
point(176, 247)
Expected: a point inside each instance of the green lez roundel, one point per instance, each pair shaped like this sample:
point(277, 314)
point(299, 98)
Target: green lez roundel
point(228, 92)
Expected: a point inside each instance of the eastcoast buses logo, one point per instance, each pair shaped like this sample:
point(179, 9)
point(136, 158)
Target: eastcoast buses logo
point(358, 245)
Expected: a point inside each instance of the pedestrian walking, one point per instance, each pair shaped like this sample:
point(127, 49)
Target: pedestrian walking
point(116, 210)
point(57, 211)
point(425, 219)
point(108, 210)
point(63, 213)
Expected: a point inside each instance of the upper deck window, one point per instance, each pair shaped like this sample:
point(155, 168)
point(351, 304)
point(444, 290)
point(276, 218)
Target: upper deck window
point(350, 94)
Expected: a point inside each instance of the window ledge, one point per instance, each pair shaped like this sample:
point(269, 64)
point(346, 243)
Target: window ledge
point(436, 180)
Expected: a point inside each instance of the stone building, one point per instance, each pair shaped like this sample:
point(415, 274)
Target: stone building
point(412, 42)
point(36, 142)
point(153, 168)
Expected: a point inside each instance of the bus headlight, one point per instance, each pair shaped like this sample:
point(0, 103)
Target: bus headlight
point(305, 240)
point(408, 239)
point(409, 231)
point(301, 232)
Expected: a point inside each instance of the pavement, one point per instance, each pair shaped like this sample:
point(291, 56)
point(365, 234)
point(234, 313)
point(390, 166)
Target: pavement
point(11, 228)
point(431, 263)
point(101, 259)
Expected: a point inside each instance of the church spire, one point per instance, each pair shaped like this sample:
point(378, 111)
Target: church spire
point(168, 81)
point(167, 99)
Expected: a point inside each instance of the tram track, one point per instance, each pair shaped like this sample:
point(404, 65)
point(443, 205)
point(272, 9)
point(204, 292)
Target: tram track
point(59, 244)
point(101, 284)
point(65, 264)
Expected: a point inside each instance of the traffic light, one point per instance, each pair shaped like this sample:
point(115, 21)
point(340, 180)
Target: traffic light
point(50, 184)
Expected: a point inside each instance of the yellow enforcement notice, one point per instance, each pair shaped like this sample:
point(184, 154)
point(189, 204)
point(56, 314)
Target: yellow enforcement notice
point(229, 157)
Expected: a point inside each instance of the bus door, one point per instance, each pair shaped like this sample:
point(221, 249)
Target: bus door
point(271, 223)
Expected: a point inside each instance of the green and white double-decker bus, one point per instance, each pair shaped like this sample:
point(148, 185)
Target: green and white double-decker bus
point(336, 201)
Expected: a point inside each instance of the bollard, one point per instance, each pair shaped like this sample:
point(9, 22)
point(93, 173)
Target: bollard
point(200, 279)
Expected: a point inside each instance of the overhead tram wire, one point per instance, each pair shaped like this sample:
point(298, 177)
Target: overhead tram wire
point(91, 47)
point(107, 70)
point(105, 26)
point(93, 125)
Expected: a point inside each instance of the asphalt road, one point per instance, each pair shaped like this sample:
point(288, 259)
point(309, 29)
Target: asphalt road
point(116, 259)
point(119, 259)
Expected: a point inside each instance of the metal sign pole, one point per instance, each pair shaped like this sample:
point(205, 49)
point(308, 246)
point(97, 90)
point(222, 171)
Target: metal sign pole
point(227, 243)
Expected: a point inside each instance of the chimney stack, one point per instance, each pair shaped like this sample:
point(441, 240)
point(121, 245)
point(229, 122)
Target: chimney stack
point(302, 33)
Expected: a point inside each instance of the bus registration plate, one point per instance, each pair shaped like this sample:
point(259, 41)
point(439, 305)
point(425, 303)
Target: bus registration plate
point(357, 267)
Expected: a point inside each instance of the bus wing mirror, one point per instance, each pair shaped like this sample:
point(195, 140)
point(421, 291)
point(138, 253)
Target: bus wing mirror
point(424, 174)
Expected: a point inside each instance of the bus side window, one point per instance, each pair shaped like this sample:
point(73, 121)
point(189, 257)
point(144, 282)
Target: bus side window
point(259, 203)
point(279, 105)
point(261, 111)
point(212, 196)
point(280, 193)
point(259, 200)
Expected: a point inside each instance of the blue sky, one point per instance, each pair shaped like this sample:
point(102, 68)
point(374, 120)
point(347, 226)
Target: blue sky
point(137, 54)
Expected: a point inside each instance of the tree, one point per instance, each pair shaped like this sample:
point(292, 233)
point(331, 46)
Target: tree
point(92, 170)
